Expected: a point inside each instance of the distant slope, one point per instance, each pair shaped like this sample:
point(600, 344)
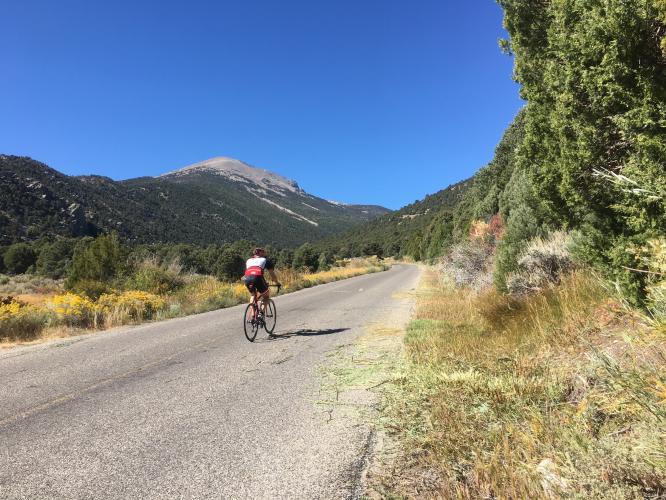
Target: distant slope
point(401, 232)
point(219, 200)
point(426, 228)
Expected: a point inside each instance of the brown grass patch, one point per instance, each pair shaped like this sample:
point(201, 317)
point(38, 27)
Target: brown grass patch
point(556, 394)
point(35, 299)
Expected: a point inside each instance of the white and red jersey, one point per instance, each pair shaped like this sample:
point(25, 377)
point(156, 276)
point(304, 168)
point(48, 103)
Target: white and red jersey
point(256, 265)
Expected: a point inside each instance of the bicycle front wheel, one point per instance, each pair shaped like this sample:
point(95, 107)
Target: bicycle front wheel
point(250, 322)
point(270, 318)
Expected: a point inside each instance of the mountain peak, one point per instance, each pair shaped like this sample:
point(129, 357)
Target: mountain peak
point(203, 204)
point(239, 171)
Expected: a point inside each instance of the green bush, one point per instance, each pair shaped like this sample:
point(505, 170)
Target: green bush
point(413, 246)
point(54, 259)
point(285, 259)
point(19, 258)
point(150, 277)
point(306, 258)
point(230, 266)
point(373, 248)
point(92, 289)
point(323, 263)
point(189, 256)
point(2, 259)
point(218, 302)
point(100, 260)
point(521, 227)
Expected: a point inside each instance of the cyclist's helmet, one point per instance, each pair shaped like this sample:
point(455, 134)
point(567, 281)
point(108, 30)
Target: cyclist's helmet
point(259, 252)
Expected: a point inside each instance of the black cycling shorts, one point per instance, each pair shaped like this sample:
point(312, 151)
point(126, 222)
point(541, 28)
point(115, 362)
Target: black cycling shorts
point(257, 283)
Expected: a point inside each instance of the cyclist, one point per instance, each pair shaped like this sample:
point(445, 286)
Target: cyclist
point(254, 276)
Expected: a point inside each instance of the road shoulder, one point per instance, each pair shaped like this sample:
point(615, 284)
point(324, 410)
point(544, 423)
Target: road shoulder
point(354, 382)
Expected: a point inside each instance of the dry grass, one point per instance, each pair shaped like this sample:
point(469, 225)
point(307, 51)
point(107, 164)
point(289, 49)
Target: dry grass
point(35, 299)
point(28, 284)
point(40, 317)
point(337, 274)
point(205, 293)
point(561, 394)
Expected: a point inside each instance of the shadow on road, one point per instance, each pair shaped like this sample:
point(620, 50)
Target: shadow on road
point(306, 333)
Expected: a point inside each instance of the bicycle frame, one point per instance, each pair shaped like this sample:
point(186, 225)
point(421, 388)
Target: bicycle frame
point(256, 296)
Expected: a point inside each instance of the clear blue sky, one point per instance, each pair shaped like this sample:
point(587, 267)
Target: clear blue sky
point(362, 101)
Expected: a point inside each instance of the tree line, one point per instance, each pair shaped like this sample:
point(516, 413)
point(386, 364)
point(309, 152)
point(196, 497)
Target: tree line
point(93, 265)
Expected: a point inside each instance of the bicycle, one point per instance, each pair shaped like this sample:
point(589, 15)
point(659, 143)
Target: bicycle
point(254, 318)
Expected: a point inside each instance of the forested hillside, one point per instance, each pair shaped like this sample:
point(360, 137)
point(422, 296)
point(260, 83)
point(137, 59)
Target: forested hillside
point(419, 229)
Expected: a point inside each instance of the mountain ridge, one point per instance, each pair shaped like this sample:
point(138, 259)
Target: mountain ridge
point(215, 201)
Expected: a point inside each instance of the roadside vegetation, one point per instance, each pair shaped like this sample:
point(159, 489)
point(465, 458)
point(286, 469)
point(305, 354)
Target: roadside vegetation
point(555, 390)
point(105, 283)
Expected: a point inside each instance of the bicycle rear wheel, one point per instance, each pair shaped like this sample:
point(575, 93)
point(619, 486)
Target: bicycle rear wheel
point(270, 318)
point(250, 322)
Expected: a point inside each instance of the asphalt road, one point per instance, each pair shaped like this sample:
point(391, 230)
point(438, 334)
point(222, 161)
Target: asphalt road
point(188, 408)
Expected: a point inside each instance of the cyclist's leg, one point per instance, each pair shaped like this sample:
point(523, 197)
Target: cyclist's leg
point(264, 293)
point(263, 300)
point(249, 284)
point(254, 287)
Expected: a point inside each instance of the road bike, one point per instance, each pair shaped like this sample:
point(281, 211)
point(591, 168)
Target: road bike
point(254, 318)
